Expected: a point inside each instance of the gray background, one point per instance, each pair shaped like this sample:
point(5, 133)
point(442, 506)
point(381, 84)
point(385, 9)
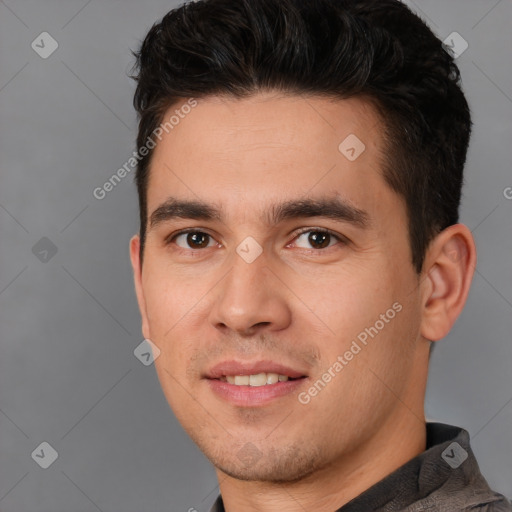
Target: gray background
point(69, 325)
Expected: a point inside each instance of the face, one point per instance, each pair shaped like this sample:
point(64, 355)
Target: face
point(277, 283)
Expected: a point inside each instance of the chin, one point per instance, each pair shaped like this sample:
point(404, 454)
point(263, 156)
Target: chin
point(277, 465)
point(286, 476)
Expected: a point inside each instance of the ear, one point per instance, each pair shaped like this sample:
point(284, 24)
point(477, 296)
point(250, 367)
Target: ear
point(449, 266)
point(137, 277)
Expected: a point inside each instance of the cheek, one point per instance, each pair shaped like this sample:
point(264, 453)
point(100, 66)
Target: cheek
point(177, 306)
point(171, 297)
point(345, 300)
point(365, 312)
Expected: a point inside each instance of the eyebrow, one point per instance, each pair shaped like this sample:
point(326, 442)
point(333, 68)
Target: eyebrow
point(333, 208)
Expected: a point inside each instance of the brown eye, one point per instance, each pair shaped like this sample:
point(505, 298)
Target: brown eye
point(316, 239)
point(196, 240)
point(193, 240)
point(319, 240)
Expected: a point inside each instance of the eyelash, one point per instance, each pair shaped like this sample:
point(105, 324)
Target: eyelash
point(171, 238)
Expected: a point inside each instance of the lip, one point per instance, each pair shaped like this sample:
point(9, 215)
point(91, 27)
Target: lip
point(251, 368)
point(253, 396)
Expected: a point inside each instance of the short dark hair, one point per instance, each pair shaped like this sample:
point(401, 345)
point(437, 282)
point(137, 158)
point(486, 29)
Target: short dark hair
point(377, 50)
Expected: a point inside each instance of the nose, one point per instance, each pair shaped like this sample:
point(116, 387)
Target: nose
point(250, 299)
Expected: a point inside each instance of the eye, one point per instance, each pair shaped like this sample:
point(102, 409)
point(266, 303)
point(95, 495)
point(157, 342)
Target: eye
point(316, 239)
point(193, 240)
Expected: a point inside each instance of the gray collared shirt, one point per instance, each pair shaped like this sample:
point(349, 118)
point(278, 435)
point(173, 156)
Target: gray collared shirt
point(444, 478)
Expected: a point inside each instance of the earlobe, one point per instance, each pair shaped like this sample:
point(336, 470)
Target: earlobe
point(137, 278)
point(449, 266)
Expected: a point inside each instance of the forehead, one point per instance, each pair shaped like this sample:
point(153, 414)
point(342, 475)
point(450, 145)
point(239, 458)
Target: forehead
point(245, 153)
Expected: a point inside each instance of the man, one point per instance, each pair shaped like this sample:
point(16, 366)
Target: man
point(299, 250)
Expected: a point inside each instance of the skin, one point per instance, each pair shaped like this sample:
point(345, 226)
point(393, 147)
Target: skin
point(297, 303)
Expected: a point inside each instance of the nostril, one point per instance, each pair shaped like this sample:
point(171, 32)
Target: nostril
point(261, 324)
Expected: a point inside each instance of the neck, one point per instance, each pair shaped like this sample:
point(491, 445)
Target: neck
point(395, 443)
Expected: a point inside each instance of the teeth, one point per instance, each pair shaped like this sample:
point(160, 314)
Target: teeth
point(259, 379)
point(242, 380)
point(272, 378)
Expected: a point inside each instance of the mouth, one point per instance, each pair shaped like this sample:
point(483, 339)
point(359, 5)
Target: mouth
point(257, 379)
point(253, 384)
